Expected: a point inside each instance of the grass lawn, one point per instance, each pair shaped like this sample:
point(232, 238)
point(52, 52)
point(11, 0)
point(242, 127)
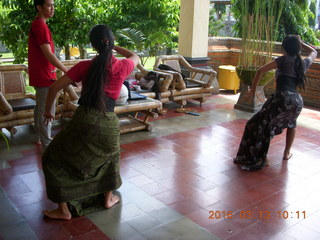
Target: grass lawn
point(6, 55)
point(149, 64)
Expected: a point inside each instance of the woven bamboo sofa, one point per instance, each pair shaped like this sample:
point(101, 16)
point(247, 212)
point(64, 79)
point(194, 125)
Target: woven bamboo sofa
point(198, 84)
point(16, 105)
point(165, 81)
point(142, 110)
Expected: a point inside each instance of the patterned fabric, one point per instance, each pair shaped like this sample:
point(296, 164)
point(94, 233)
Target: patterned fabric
point(82, 161)
point(280, 111)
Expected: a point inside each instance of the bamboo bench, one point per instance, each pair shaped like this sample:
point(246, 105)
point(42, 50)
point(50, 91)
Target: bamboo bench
point(198, 84)
point(16, 105)
point(142, 110)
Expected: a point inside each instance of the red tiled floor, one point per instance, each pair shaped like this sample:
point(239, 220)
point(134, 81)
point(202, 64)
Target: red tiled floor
point(192, 172)
point(48, 229)
point(79, 226)
point(261, 230)
point(168, 197)
point(223, 229)
point(201, 217)
point(185, 206)
point(96, 234)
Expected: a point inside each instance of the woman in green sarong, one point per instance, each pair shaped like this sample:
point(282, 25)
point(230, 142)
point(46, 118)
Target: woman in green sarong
point(81, 164)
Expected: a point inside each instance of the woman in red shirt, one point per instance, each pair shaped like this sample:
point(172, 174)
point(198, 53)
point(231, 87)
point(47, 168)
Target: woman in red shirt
point(81, 164)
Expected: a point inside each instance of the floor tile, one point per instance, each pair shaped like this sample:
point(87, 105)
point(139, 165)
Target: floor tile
point(173, 178)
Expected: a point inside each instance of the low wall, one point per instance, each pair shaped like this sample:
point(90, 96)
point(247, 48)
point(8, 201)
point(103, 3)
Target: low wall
point(226, 51)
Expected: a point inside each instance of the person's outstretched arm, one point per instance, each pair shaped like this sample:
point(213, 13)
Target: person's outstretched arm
point(312, 52)
point(53, 90)
point(46, 50)
point(265, 68)
point(128, 54)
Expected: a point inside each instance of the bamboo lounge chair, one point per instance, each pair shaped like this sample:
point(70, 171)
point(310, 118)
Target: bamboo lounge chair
point(198, 84)
point(16, 105)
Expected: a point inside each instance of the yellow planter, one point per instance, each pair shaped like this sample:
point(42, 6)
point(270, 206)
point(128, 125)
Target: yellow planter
point(228, 78)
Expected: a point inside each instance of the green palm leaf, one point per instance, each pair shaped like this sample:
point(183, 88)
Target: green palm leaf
point(133, 37)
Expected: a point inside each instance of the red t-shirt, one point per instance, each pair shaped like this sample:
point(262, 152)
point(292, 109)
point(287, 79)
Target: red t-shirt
point(41, 71)
point(120, 70)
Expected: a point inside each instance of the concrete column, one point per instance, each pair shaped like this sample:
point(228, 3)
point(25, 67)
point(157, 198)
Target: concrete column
point(193, 29)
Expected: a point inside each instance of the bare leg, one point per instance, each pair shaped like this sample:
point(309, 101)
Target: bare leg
point(110, 199)
point(62, 212)
point(291, 132)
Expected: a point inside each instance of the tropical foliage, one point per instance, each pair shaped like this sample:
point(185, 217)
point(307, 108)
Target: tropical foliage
point(260, 21)
point(15, 18)
point(312, 15)
point(157, 21)
point(146, 46)
point(74, 18)
point(293, 20)
point(217, 17)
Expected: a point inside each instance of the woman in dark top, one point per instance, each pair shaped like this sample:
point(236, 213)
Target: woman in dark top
point(282, 108)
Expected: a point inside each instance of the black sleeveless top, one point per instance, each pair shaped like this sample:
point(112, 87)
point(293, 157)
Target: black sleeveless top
point(286, 77)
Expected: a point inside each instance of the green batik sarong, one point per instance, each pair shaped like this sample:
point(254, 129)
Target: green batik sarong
point(82, 161)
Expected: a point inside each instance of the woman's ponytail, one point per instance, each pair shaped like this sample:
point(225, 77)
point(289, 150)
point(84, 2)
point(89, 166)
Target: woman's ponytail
point(299, 69)
point(291, 45)
point(92, 93)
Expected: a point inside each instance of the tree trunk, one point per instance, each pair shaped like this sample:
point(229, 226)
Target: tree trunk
point(67, 52)
point(83, 52)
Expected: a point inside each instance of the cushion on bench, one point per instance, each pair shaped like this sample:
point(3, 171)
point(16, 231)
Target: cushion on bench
point(22, 104)
point(190, 84)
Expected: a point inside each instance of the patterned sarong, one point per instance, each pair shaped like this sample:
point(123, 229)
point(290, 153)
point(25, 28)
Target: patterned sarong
point(82, 161)
point(280, 111)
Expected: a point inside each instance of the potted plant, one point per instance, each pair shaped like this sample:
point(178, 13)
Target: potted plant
point(258, 28)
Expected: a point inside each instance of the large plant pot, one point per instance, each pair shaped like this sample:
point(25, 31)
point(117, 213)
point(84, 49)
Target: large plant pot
point(246, 77)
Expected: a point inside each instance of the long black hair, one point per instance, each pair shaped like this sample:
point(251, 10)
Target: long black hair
point(292, 46)
point(92, 93)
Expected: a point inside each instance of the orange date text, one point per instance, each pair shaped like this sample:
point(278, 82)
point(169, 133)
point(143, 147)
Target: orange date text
point(257, 214)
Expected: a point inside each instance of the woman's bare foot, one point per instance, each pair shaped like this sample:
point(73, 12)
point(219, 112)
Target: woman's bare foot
point(57, 214)
point(111, 200)
point(62, 212)
point(287, 156)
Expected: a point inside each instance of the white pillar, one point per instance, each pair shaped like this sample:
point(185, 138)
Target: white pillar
point(193, 28)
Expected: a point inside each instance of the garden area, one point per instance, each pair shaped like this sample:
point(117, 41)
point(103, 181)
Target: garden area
point(147, 27)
